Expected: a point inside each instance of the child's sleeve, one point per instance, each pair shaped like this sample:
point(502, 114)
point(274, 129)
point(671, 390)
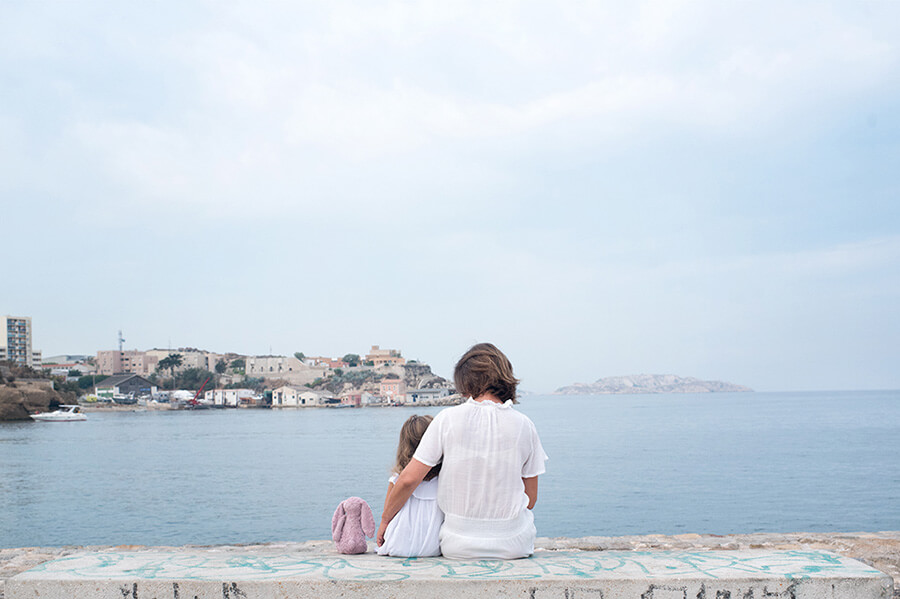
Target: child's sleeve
point(534, 463)
point(431, 447)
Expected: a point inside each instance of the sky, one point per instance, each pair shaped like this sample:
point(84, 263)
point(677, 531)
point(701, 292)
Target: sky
point(701, 188)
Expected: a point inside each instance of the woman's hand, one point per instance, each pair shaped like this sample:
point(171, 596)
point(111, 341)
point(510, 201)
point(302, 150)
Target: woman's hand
point(406, 483)
point(379, 538)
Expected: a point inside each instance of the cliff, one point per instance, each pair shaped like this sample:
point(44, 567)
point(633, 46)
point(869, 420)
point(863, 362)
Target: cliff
point(21, 398)
point(649, 383)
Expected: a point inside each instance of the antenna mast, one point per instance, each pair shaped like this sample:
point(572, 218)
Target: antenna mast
point(121, 340)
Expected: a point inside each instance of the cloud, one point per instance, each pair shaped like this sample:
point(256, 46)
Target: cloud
point(636, 184)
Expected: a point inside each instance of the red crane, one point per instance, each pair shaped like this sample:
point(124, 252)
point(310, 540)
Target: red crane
point(194, 401)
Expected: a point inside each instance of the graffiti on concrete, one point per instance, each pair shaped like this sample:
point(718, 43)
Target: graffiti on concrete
point(225, 566)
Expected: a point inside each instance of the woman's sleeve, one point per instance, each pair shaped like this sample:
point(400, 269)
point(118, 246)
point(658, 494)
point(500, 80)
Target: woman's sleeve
point(534, 463)
point(431, 447)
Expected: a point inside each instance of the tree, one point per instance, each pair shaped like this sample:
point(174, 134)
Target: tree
point(88, 380)
point(300, 355)
point(351, 359)
point(221, 366)
point(170, 363)
point(255, 383)
point(338, 372)
point(239, 364)
point(192, 378)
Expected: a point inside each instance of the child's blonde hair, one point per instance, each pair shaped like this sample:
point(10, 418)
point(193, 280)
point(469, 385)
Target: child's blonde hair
point(410, 434)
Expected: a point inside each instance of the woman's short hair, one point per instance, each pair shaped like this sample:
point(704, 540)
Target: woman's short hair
point(485, 369)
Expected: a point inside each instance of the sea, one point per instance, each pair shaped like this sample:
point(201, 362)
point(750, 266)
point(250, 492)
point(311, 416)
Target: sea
point(619, 465)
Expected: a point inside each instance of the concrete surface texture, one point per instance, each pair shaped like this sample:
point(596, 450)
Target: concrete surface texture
point(272, 573)
point(880, 550)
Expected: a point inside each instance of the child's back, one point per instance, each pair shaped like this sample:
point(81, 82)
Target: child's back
point(414, 531)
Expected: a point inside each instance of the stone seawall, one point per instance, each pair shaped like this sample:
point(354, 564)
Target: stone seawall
point(880, 550)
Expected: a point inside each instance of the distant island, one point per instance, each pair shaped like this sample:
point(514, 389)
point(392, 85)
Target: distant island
point(649, 383)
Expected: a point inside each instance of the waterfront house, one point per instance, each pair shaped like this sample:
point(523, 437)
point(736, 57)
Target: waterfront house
point(351, 399)
point(393, 390)
point(125, 384)
point(426, 395)
point(230, 397)
point(290, 396)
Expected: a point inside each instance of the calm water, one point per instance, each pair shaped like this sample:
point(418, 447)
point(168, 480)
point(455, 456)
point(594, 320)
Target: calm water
point(618, 465)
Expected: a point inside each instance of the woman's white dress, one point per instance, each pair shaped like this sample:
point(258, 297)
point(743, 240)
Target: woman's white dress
point(486, 449)
point(414, 530)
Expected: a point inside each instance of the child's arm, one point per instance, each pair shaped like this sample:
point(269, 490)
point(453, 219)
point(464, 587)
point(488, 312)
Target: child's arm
point(387, 495)
point(409, 479)
point(531, 490)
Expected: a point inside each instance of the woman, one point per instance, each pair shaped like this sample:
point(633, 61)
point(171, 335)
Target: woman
point(491, 456)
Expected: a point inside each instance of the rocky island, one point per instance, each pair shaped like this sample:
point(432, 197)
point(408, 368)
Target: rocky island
point(649, 383)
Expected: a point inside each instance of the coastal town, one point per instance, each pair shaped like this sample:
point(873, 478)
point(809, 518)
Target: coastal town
point(191, 378)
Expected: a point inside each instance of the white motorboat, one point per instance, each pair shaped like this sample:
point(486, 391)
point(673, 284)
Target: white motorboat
point(65, 413)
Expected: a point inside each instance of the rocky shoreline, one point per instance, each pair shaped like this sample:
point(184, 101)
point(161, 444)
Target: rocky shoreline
point(880, 550)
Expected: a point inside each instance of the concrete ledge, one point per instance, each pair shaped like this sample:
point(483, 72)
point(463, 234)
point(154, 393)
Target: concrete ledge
point(216, 574)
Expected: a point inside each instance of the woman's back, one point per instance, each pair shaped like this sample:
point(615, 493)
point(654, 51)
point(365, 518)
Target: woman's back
point(487, 449)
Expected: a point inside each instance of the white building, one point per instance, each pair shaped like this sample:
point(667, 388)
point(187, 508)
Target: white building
point(229, 397)
point(425, 395)
point(15, 341)
point(289, 396)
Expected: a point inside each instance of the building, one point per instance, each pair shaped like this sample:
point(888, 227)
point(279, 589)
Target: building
point(230, 397)
point(130, 361)
point(385, 357)
point(82, 367)
point(146, 363)
point(393, 390)
point(190, 358)
point(66, 359)
point(125, 384)
point(283, 367)
point(353, 400)
point(290, 396)
point(326, 362)
point(15, 341)
point(426, 395)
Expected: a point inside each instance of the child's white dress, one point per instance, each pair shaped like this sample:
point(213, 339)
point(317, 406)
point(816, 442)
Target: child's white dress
point(415, 530)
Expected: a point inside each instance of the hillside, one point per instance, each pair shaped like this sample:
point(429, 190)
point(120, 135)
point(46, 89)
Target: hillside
point(23, 393)
point(649, 383)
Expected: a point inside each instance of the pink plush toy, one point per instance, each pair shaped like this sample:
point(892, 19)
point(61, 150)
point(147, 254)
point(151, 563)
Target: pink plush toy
point(351, 524)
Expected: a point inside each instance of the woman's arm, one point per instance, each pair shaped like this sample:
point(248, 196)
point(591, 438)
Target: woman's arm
point(531, 490)
point(409, 479)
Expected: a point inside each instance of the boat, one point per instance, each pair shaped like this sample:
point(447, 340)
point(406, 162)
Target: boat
point(65, 413)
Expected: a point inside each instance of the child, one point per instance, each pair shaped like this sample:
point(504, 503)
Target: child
point(414, 530)
point(491, 456)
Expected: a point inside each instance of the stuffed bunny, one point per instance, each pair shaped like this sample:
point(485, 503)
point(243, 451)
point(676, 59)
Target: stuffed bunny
point(351, 524)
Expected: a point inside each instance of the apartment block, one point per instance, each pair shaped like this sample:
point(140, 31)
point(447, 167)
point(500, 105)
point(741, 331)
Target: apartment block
point(15, 340)
point(126, 362)
point(190, 358)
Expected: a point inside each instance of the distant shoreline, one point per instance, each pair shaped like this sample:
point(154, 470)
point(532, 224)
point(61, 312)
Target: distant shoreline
point(650, 383)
